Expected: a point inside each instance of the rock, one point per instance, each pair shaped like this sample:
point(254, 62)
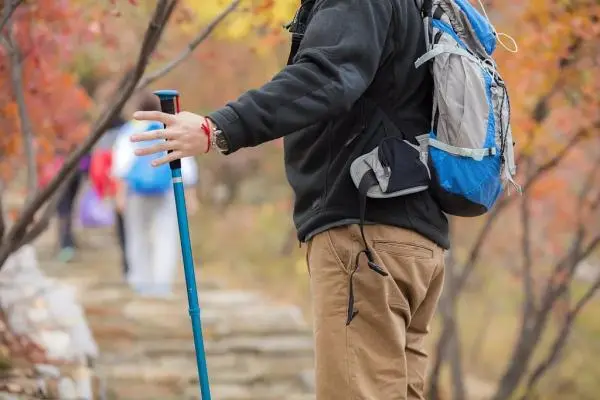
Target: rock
point(47, 371)
point(43, 309)
point(308, 380)
point(13, 388)
point(67, 389)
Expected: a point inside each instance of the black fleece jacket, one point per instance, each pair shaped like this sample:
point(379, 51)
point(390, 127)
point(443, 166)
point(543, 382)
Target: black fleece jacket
point(351, 84)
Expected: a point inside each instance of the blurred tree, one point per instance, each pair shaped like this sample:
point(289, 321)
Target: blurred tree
point(42, 106)
point(554, 106)
point(52, 27)
point(258, 23)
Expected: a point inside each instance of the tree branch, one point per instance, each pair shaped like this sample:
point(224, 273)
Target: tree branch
point(534, 321)
point(162, 13)
point(561, 339)
point(205, 33)
point(541, 110)
point(529, 298)
point(9, 8)
point(39, 226)
point(2, 222)
point(588, 186)
point(539, 173)
point(595, 203)
point(529, 337)
point(568, 265)
point(448, 344)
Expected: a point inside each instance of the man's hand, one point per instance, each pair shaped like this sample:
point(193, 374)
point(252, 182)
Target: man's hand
point(183, 133)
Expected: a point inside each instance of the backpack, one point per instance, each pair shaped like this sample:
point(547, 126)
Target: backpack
point(144, 179)
point(467, 156)
point(470, 145)
point(100, 173)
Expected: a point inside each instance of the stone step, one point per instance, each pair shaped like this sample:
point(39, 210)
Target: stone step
point(256, 349)
point(143, 390)
point(143, 345)
point(229, 369)
point(264, 391)
point(162, 345)
point(115, 288)
point(219, 320)
point(209, 297)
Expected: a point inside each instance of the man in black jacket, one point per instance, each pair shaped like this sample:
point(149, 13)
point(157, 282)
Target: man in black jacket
point(350, 82)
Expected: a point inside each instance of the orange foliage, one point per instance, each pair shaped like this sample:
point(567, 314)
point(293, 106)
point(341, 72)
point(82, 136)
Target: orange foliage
point(548, 33)
point(46, 34)
point(558, 59)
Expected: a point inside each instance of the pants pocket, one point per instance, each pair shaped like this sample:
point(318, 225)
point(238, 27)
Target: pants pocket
point(341, 246)
point(308, 247)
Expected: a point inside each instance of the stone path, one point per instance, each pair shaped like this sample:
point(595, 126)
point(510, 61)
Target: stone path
point(256, 350)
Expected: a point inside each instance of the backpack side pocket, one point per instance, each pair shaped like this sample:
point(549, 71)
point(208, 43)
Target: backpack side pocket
point(395, 168)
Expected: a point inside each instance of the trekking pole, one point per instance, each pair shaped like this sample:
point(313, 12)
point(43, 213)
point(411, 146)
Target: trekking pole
point(169, 103)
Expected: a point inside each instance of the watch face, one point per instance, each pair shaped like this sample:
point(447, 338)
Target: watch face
point(221, 141)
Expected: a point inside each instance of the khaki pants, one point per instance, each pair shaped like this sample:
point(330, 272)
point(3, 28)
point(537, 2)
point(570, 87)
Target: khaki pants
point(380, 353)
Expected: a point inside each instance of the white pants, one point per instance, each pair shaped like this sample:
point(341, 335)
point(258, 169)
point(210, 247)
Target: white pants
point(152, 241)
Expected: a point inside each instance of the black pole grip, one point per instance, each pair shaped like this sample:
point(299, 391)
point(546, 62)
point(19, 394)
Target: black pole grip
point(169, 104)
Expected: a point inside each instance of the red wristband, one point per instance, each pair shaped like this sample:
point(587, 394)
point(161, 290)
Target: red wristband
point(206, 129)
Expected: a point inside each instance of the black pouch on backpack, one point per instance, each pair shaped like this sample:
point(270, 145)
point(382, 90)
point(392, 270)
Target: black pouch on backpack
point(395, 168)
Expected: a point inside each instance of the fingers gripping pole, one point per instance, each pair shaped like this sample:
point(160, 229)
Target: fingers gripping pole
point(169, 103)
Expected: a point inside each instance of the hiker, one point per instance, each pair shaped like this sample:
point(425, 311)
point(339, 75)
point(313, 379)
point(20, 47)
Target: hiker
point(65, 208)
point(349, 83)
point(100, 174)
point(144, 196)
point(103, 183)
point(372, 172)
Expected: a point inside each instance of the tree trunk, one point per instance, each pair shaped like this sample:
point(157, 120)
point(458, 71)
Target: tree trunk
point(16, 73)
point(455, 353)
point(475, 351)
point(529, 338)
point(441, 349)
point(448, 344)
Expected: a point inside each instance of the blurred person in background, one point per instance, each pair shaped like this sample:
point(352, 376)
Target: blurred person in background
point(145, 197)
point(101, 162)
point(66, 205)
point(103, 182)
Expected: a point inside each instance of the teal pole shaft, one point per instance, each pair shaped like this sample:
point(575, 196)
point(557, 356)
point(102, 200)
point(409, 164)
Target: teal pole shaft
point(169, 102)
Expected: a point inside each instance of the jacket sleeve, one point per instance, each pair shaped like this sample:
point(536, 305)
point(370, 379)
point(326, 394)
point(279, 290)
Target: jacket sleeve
point(336, 62)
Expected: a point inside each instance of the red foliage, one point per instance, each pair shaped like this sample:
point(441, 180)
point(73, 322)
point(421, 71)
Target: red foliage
point(47, 35)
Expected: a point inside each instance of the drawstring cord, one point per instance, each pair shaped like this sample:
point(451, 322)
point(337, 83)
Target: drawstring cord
point(499, 35)
point(352, 311)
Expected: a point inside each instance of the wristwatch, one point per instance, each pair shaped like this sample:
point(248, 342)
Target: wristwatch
point(218, 140)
